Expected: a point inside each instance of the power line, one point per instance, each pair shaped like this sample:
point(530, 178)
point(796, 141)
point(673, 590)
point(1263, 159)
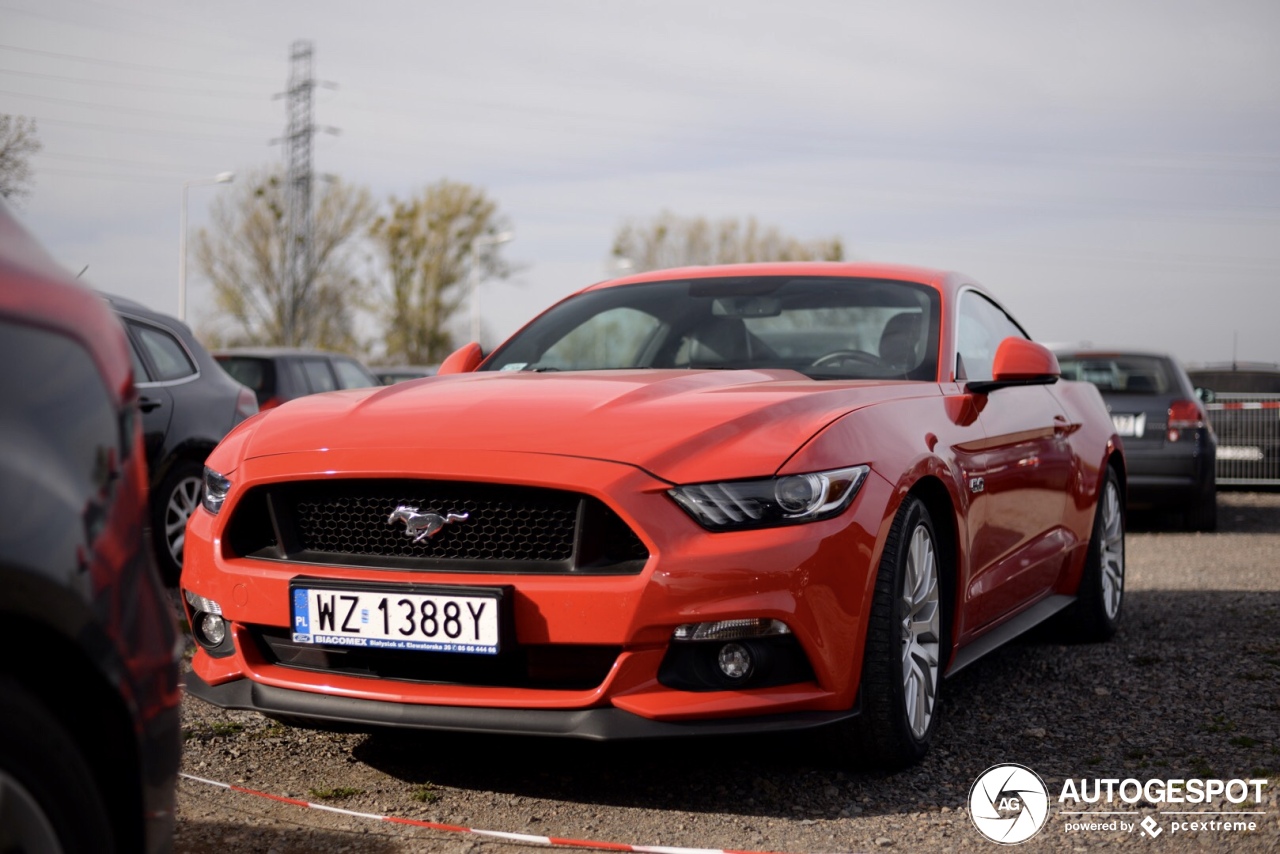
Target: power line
point(130, 179)
point(138, 131)
point(141, 87)
point(212, 75)
point(82, 158)
point(132, 111)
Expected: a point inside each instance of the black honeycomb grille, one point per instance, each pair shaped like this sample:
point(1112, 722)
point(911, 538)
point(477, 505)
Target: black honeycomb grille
point(505, 529)
point(512, 525)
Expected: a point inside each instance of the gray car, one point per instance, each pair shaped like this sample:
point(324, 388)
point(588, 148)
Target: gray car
point(280, 374)
point(1170, 448)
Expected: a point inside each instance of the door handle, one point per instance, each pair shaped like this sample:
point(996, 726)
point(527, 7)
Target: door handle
point(146, 404)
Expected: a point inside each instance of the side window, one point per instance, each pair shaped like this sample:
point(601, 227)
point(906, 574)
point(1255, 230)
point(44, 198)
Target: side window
point(140, 374)
point(351, 375)
point(319, 377)
point(167, 355)
point(983, 325)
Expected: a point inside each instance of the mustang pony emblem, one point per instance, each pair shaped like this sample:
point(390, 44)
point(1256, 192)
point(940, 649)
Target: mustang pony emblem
point(422, 525)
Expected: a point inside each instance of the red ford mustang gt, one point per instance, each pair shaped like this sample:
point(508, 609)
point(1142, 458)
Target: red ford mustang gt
point(707, 500)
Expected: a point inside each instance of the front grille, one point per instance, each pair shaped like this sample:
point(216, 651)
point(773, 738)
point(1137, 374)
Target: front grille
point(491, 528)
point(562, 667)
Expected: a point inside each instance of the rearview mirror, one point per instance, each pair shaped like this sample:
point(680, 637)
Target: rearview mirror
point(746, 307)
point(464, 360)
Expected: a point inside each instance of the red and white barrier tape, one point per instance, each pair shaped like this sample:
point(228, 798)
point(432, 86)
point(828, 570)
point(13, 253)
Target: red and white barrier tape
point(1243, 404)
point(450, 828)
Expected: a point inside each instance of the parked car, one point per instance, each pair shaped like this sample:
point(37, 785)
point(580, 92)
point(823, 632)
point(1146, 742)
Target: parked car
point(1169, 444)
point(279, 374)
point(392, 374)
point(638, 518)
point(188, 404)
point(90, 738)
point(1243, 400)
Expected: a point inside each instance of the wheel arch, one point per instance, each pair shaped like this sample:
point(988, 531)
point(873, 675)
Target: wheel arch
point(192, 451)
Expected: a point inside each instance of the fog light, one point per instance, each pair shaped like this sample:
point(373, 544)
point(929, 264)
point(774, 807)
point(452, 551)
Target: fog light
point(207, 623)
point(213, 629)
point(735, 661)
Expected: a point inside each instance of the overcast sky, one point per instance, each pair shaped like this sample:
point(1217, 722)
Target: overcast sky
point(1111, 170)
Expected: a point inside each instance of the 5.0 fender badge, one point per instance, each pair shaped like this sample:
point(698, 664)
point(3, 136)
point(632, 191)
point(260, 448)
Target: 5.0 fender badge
point(420, 526)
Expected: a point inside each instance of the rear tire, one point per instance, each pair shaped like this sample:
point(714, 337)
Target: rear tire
point(901, 668)
point(1096, 612)
point(49, 799)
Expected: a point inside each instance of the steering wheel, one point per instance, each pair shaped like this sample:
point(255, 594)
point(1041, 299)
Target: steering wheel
point(841, 357)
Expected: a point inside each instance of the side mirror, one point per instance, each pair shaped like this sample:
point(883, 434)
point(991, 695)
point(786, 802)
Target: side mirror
point(1020, 362)
point(464, 360)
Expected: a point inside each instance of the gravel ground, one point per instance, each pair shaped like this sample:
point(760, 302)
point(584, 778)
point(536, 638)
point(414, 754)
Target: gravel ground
point(1189, 688)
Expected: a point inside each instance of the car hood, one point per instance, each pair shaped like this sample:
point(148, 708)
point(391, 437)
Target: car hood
point(680, 425)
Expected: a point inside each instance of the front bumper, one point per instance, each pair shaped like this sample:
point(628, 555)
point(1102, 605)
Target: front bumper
point(816, 578)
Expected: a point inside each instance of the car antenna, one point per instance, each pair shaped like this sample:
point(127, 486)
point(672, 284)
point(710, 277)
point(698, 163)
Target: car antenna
point(81, 273)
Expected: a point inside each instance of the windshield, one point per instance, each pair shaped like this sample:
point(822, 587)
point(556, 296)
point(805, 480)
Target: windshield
point(825, 328)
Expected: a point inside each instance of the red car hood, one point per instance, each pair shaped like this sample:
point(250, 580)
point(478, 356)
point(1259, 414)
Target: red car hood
point(682, 426)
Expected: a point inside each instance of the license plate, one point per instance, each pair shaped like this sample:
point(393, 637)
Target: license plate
point(1130, 425)
point(1240, 453)
point(424, 619)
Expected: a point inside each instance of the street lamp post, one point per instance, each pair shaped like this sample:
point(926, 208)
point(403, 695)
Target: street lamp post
point(483, 240)
point(220, 178)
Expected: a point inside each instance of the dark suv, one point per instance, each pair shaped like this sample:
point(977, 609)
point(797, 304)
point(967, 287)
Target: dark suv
point(90, 738)
point(278, 374)
point(188, 404)
point(1169, 446)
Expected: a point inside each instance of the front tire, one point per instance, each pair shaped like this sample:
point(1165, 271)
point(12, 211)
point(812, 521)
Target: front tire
point(1096, 612)
point(901, 668)
point(176, 499)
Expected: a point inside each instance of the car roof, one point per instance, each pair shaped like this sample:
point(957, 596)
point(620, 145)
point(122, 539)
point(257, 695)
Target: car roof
point(848, 269)
point(1103, 353)
point(1237, 367)
point(35, 289)
point(272, 352)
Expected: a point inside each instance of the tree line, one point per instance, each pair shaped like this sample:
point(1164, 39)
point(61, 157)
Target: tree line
point(419, 256)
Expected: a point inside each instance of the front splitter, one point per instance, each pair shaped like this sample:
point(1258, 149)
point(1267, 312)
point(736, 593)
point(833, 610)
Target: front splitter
point(600, 724)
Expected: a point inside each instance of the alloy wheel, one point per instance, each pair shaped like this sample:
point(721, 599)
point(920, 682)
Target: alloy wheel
point(1112, 574)
point(182, 503)
point(920, 631)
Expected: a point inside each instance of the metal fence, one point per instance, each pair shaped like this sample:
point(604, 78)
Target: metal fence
point(1248, 430)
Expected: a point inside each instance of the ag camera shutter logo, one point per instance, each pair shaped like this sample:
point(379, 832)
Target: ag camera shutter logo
point(1009, 803)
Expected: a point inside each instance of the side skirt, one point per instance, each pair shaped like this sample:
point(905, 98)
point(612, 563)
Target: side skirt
point(1005, 632)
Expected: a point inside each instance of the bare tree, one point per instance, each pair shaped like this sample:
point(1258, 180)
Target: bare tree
point(425, 247)
point(243, 255)
point(18, 142)
point(669, 240)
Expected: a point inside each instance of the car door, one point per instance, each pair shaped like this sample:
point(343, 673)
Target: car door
point(1017, 474)
point(155, 400)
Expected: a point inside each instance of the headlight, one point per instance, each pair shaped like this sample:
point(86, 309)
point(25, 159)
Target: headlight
point(790, 499)
point(216, 488)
